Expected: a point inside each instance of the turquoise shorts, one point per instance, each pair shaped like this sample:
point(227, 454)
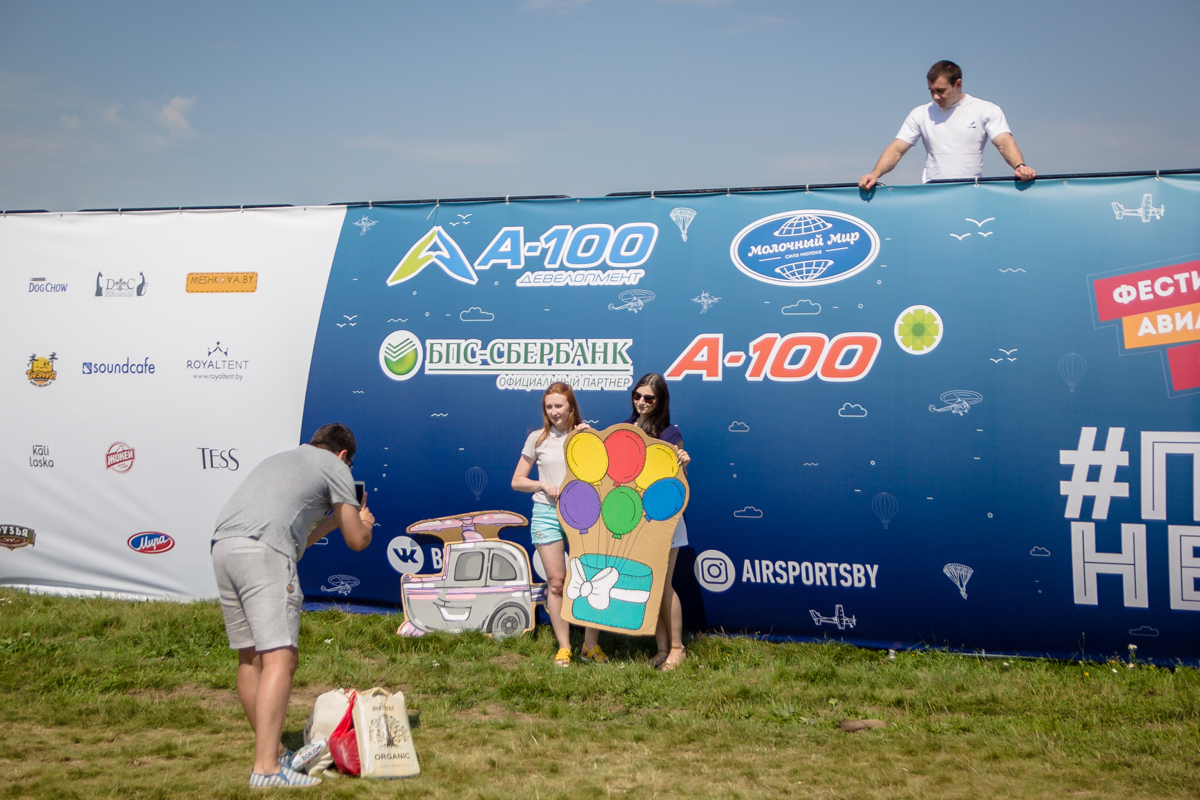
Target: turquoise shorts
point(544, 527)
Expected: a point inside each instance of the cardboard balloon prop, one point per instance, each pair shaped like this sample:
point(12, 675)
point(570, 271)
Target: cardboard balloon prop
point(484, 584)
point(619, 505)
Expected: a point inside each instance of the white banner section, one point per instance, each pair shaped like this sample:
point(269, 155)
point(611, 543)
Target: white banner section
point(150, 361)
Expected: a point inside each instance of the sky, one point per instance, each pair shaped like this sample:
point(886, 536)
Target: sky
point(142, 104)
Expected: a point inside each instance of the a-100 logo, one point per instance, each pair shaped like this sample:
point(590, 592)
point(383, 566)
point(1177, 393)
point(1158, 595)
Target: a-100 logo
point(781, 357)
point(582, 249)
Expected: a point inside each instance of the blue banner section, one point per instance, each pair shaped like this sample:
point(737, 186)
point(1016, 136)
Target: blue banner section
point(958, 416)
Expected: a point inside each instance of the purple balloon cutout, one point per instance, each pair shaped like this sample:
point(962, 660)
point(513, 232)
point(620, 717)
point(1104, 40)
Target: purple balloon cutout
point(579, 504)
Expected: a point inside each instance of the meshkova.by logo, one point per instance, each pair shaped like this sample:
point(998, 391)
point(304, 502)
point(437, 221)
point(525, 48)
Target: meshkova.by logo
point(150, 542)
point(714, 570)
point(41, 369)
point(400, 355)
point(119, 457)
point(14, 536)
point(804, 248)
point(121, 286)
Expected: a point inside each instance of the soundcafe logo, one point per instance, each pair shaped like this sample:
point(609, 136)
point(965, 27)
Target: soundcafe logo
point(150, 542)
point(400, 355)
point(216, 365)
point(14, 536)
point(120, 286)
point(41, 369)
point(128, 367)
point(119, 457)
point(804, 248)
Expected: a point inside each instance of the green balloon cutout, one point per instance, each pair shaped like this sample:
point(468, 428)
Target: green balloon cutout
point(622, 510)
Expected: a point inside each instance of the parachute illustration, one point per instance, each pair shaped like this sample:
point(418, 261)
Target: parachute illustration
point(1072, 367)
point(683, 217)
point(885, 507)
point(476, 480)
point(960, 574)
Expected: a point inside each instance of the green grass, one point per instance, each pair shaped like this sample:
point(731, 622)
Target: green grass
point(104, 698)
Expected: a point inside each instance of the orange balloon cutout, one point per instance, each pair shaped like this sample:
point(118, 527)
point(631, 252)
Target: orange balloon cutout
point(626, 455)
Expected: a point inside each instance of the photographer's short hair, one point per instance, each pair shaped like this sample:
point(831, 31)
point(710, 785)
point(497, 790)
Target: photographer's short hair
point(952, 71)
point(335, 437)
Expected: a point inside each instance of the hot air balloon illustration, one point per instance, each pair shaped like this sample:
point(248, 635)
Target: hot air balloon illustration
point(960, 574)
point(1072, 367)
point(683, 217)
point(885, 507)
point(476, 480)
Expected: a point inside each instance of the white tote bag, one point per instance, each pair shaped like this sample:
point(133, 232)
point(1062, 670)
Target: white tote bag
point(385, 745)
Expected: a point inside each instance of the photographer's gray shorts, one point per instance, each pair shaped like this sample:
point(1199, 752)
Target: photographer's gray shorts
point(260, 594)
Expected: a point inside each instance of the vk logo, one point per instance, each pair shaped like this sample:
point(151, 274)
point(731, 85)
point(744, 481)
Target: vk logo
point(435, 247)
point(405, 555)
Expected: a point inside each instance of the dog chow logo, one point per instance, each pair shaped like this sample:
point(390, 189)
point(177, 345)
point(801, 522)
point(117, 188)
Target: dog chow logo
point(150, 542)
point(804, 248)
point(14, 536)
point(400, 355)
point(43, 286)
point(41, 369)
point(120, 286)
point(119, 457)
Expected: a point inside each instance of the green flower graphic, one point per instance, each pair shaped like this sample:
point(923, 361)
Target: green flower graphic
point(918, 329)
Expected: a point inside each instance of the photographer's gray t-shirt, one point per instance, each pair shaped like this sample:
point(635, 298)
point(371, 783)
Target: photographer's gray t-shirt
point(285, 497)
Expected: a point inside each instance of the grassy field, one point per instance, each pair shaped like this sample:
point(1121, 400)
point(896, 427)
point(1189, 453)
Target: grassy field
point(135, 700)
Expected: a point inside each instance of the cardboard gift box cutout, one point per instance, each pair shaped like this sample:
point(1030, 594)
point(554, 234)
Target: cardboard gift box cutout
point(485, 582)
point(619, 505)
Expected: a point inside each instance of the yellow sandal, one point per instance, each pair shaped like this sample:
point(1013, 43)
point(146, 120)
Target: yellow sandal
point(595, 655)
point(563, 657)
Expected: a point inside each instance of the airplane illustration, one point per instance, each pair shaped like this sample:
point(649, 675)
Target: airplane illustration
point(839, 618)
point(634, 299)
point(1147, 211)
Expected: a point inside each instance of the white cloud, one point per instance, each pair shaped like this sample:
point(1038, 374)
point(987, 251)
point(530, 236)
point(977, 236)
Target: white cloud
point(171, 116)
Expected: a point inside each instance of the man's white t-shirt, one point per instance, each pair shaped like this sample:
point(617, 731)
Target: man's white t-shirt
point(954, 138)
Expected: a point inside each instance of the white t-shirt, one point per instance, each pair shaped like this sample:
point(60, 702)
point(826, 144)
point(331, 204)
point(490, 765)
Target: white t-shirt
point(550, 458)
point(954, 138)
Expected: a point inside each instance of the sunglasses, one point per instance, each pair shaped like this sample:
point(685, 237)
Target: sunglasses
point(645, 398)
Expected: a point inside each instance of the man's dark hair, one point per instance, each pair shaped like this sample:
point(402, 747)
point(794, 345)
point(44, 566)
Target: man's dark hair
point(952, 71)
point(335, 437)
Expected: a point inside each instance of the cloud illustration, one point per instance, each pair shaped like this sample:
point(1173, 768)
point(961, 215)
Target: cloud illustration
point(1039, 551)
point(802, 307)
point(738, 427)
point(476, 314)
point(749, 512)
point(1145, 630)
point(852, 410)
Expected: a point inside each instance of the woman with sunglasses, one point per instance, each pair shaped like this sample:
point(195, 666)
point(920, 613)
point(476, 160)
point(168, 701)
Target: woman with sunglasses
point(652, 413)
point(544, 447)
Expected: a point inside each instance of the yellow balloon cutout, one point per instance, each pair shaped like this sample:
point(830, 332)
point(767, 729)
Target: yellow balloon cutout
point(661, 462)
point(587, 457)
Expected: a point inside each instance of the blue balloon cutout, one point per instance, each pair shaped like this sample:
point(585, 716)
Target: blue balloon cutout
point(663, 499)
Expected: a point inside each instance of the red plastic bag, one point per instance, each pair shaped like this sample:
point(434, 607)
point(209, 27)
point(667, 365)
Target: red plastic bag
point(343, 743)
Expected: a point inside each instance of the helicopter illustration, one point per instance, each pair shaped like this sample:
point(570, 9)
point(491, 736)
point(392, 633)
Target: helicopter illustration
point(959, 401)
point(839, 618)
point(634, 299)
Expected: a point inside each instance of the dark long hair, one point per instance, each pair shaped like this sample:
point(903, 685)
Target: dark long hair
point(567, 392)
point(660, 416)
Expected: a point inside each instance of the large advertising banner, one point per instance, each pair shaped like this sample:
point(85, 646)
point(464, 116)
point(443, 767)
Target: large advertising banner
point(959, 415)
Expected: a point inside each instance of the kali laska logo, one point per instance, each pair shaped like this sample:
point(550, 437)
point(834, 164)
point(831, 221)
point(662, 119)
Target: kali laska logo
point(400, 355)
point(120, 287)
point(435, 247)
point(14, 536)
point(119, 457)
point(150, 542)
point(41, 369)
point(804, 248)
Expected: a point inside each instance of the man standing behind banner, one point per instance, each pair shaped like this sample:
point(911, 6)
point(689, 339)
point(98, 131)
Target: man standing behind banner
point(281, 508)
point(954, 128)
